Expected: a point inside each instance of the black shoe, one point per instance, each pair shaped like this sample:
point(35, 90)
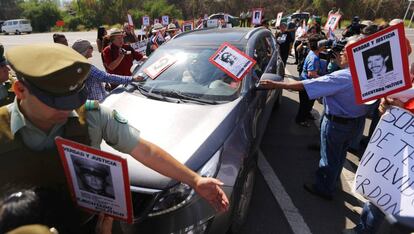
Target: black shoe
point(349, 231)
point(311, 189)
point(315, 147)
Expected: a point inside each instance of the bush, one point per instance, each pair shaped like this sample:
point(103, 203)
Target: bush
point(42, 14)
point(72, 22)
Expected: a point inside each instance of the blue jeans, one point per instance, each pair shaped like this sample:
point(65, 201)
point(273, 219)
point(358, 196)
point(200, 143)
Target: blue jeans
point(335, 140)
point(371, 219)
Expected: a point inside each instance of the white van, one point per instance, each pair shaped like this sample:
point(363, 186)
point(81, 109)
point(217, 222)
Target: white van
point(16, 26)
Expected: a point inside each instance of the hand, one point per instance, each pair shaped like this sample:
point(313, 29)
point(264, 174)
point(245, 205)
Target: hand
point(209, 189)
point(386, 102)
point(267, 84)
point(137, 78)
point(104, 224)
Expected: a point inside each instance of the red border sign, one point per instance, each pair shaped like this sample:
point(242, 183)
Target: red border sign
point(188, 22)
point(404, 59)
point(222, 47)
point(61, 141)
point(338, 18)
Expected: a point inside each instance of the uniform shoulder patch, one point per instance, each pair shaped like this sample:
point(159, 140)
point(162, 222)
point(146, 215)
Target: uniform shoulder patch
point(118, 117)
point(91, 105)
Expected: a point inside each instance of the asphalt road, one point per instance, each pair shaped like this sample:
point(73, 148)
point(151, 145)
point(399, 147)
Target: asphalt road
point(279, 203)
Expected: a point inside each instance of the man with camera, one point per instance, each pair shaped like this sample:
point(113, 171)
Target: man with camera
point(342, 119)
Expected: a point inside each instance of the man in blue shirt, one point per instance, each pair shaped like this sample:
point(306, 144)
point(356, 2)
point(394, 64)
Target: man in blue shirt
point(340, 124)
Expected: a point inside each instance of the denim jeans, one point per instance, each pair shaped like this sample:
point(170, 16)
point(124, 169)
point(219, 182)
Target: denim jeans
point(371, 219)
point(335, 140)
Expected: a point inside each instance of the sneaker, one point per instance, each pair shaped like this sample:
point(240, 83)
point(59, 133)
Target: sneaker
point(312, 190)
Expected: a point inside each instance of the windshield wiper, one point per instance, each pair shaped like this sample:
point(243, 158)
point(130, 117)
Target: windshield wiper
point(152, 95)
point(185, 97)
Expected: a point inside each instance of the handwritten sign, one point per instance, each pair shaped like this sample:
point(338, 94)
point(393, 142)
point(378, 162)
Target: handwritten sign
point(232, 61)
point(385, 174)
point(98, 181)
point(379, 64)
point(162, 64)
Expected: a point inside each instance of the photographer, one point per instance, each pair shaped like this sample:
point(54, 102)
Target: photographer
point(353, 29)
point(119, 57)
point(285, 40)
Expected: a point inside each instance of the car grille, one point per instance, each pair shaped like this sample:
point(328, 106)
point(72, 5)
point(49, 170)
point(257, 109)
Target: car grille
point(142, 205)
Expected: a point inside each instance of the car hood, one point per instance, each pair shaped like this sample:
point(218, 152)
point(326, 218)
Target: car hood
point(191, 133)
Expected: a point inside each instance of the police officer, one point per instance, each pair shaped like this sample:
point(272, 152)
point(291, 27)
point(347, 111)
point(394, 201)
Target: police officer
point(49, 103)
point(6, 95)
point(340, 124)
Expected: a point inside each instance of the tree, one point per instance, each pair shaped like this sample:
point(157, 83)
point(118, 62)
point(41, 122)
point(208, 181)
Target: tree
point(43, 14)
point(10, 9)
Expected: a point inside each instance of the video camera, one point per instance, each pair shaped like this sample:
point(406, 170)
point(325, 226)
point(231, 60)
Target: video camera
point(331, 46)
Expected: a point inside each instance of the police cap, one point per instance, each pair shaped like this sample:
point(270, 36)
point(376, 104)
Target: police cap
point(54, 73)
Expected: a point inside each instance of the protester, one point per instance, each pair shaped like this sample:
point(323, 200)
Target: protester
point(156, 40)
point(342, 118)
point(300, 35)
point(311, 68)
point(102, 41)
point(119, 57)
point(6, 95)
point(130, 36)
point(171, 31)
point(285, 40)
point(48, 96)
point(95, 81)
point(353, 29)
point(60, 38)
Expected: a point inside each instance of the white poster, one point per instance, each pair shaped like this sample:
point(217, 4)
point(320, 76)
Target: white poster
point(332, 22)
point(257, 16)
point(162, 64)
point(165, 20)
point(232, 61)
point(130, 22)
point(98, 181)
point(385, 174)
point(140, 46)
point(279, 19)
point(146, 20)
point(212, 23)
point(379, 64)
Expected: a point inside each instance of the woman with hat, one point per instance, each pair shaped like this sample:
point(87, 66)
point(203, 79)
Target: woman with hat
point(157, 38)
point(172, 31)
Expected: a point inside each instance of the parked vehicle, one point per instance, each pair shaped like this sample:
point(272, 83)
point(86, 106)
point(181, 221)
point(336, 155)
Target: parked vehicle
point(206, 120)
point(16, 26)
point(300, 16)
point(233, 20)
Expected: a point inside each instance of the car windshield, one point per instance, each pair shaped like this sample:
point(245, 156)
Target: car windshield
point(191, 75)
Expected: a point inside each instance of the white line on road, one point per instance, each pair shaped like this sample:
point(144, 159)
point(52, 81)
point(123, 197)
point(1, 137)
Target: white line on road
point(295, 219)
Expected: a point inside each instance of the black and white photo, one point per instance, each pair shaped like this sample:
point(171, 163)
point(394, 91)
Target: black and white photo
point(378, 61)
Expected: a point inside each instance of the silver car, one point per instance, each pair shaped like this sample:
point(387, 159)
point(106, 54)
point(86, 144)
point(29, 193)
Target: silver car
point(207, 121)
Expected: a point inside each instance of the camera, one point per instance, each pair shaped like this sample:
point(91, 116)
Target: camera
point(332, 46)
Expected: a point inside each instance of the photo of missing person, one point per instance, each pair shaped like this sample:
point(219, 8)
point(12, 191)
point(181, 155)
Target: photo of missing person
point(378, 61)
point(332, 22)
point(228, 58)
point(93, 177)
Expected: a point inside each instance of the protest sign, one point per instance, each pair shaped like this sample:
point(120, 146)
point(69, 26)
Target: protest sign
point(146, 20)
point(212, 23)
point(379, 64)
point(278, 19)
point(98, 181)
point(385, 174)
point(332, 22)
point(140, 46)
point(188, 26)
point(130, 22)
point(232, 61)
point(165, 20)
point(162, 64)
point(257, 16)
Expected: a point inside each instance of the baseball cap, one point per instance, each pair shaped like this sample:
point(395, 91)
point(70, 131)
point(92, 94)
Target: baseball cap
point(58, 79)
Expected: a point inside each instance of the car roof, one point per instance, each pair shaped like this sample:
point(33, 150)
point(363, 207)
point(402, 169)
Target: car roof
point(214, 36)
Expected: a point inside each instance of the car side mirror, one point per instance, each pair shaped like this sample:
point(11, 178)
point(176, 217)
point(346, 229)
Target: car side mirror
point(268, 76)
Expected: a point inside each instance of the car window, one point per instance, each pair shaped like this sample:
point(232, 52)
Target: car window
point(24, 22)
point(15, 22)
point(263, 51)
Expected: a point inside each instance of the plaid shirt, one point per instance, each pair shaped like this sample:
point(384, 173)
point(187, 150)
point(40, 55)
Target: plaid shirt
point(96, 79)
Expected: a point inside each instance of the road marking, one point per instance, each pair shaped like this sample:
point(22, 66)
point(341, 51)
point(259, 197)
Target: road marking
point(295, 219)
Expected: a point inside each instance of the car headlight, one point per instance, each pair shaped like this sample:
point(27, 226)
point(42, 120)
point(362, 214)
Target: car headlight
point(181, 194)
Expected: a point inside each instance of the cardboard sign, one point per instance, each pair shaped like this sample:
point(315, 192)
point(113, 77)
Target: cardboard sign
point(162, 64)
point(146, 20)
point(379, 64)
point(257, 15)
point(98, 181)
point(165, 20)
point(188, 26)
point(385, 174)
point(212, 23)
point(130, 22)
point(332, 23)
point(232, 61)
point(140, 46)
point(278, 19)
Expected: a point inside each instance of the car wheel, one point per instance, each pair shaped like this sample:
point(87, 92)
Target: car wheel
point(17, 32)
point(243, 196)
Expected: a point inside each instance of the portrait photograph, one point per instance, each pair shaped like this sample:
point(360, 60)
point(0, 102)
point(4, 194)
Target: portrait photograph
point(378, 61)
point(257, 16)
